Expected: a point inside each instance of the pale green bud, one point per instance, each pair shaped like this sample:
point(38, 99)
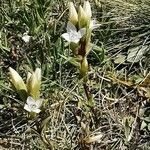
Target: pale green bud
point(82, 17)
point(34, 83)
point(87, 10)
point(38, 74)
point(28, 77)
point(18, 83)
point(73, 16)
point(84, 67)
point(88, 46)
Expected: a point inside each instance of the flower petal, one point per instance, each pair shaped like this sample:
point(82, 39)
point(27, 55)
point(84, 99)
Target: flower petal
point(36, 110)
point(74, 37)
point(71, 27)
point(94, 25)
point(26, 38)
point(27, 108)
point(39, 103)
point(82, 32)
point(76, 40)
point(66, 36)
point(30, 101)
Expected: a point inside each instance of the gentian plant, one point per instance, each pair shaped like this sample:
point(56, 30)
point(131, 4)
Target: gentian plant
point(79, 30)
point(29, 92)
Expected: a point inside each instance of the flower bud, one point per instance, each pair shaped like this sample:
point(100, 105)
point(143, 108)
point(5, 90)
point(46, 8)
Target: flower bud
point(18, 83)
point(82, 17)
point(87, 10)
point(28, 77)
point(38, 74)
point(88, 47)
point(34, 83)
point(73, 16)
point(84, 67)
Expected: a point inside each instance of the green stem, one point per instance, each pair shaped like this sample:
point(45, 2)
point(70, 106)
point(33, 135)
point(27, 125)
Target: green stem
point(86, 89)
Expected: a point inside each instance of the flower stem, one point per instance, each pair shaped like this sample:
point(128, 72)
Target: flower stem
point(86, 89)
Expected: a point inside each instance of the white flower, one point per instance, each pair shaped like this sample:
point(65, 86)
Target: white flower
point(26, 38)
point(93, 24)
point(33, 105)
point(72, 34)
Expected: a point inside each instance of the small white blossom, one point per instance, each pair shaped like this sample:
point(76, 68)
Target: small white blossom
point(72, 34)
point(26, 38)
point(93, 24)
point(33, 105)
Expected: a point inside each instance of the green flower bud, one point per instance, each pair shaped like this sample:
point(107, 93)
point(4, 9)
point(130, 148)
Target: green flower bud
point(73, 16)
point(28, 77)
point(34, 83)
point(82, 17)
point(38, 74)
point(18, 83)
point(88, 47)
point(84, 67)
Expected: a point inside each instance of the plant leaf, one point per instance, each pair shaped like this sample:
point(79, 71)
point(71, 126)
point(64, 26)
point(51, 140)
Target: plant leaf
point(136, 53)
